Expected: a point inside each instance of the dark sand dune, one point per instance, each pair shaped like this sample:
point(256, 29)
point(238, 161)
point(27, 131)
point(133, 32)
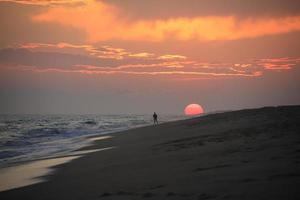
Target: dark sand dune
point(247, 154)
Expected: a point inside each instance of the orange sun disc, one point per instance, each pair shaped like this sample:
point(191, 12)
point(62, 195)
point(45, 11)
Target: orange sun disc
point(193, 109)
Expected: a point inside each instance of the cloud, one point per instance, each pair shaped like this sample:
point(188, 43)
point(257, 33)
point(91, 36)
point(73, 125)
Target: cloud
point(104, 71)
point(156, 9)
point(108, 60)
point(103, 22)
point(284, 63)
point(141, 55)
point(69, 55)
point(44, 2)
point(104, 51)
point(171, 56)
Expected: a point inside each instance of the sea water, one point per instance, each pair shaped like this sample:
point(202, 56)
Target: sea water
point(32, 137)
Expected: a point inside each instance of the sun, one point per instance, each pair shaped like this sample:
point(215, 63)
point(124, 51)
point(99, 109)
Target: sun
point(193, 109)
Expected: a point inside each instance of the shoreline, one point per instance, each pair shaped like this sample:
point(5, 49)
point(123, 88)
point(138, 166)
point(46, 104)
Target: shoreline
point(193, 158)
point(46, 165)
point(32, 139)
point(34, 171)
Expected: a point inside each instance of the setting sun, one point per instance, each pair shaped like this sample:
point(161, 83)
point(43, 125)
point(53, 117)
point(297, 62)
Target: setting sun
point(185, 96)
point(193, 109)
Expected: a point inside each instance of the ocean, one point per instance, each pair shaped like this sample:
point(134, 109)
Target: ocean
point(31, 137)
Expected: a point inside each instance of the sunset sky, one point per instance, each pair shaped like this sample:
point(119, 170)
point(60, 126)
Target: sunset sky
point(137, 57)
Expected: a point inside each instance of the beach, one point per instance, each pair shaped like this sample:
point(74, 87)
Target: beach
point(246, 154)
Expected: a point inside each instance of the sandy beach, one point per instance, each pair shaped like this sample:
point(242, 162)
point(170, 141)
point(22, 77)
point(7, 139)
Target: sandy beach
point(247, 154)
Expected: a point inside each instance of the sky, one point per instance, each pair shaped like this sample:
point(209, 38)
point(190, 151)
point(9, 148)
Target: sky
point(137, 57)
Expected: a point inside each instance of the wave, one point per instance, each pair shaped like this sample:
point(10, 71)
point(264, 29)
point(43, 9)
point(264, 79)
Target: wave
point(29, 137)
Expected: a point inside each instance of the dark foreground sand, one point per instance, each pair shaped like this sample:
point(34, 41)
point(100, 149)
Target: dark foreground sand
point(248, 154)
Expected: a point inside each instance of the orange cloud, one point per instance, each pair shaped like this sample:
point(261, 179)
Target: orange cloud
point(107, 72)
point(44, 2)
point(103, 51)
point(103, 22)
point(278, 63)
point(171, 57)
point(141, 55)
point(189, 70)
point(164, 68)
point(122, 61)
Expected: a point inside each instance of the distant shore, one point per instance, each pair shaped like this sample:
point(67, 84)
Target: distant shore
point(246, 154)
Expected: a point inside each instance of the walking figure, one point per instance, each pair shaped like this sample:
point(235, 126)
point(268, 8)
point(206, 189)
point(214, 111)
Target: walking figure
point(155, 118)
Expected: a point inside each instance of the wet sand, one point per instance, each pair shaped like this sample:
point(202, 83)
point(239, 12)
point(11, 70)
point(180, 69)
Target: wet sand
point(247, 154)
point(32, 172)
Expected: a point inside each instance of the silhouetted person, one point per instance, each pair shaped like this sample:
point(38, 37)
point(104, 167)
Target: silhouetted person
point(155, 118)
